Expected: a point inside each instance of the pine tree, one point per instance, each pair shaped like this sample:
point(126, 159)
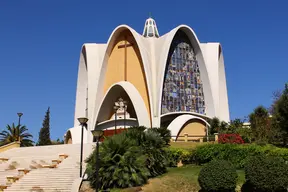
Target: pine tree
point(44, 134)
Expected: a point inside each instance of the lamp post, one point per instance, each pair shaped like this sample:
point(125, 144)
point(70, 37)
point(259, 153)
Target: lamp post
point(19, 119)
point(97, 134)
point(115, 123)
point(125, 108)
point(83, 122)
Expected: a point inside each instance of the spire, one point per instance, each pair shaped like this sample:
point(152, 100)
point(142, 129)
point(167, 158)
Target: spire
point(150, 28)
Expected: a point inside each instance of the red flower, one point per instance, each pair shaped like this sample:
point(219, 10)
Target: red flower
point(230, 138)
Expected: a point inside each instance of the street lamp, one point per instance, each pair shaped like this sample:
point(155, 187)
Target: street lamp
point(19, 119)
point(115, 114)
point(83, 122)
point(125, 108)
point(97, 134)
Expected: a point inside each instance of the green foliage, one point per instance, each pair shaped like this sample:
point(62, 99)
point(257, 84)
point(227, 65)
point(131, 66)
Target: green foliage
point(44, 134)
point(280, 113)
point(236, 154)
point(175, 155)
point(234, 126)
point(129, 158)
point(122, 164)
point(260, 124)
point(218, 176)
point(57, 142)
point(214, 125)
point(246, 134)
point(16, 133)
point(152, 145)
point(164, 133)
point(217, 126)
point(266, 174)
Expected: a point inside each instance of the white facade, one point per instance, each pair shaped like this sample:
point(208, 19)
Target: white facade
point(93, 103)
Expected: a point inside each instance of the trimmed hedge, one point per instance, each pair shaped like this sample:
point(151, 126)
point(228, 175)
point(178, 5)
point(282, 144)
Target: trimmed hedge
point(265, 174)
point(218, 176)
point(175, 155)
point(234, 153)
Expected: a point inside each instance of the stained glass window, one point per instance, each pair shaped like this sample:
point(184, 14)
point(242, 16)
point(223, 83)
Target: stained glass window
point(183, 88)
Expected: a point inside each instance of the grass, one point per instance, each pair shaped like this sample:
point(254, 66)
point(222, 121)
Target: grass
point(186, 145)
point(181, 179)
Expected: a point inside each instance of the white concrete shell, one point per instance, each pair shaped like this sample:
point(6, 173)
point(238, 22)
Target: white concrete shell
point(145, 58)
point(90, 96)
point(176, 125)
point(213, 56)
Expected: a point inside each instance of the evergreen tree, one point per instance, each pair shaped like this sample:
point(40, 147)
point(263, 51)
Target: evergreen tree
point(44, 134)
point(280, 114)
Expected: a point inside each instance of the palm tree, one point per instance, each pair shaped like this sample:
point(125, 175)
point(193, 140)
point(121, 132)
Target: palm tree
point(17, 133)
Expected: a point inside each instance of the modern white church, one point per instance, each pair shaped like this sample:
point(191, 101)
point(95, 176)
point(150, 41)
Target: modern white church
point(150, 80)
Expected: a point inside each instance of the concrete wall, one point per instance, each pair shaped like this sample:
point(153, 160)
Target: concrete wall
point(10, 146)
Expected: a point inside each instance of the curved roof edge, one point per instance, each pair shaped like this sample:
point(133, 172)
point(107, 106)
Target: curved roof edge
point(223, 93)
point(176, 125)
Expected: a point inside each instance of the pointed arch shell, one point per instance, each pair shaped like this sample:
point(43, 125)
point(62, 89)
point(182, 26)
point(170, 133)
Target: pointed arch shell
point(210, 111)
point(103, 69)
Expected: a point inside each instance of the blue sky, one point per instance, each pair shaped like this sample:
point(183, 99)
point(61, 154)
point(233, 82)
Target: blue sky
point(40, 42)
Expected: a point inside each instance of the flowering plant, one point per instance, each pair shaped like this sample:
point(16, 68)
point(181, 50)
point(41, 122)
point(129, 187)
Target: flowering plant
point(230, 138)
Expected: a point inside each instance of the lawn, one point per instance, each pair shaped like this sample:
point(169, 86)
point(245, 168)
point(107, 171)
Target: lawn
point(186, 145)
point(181, 179)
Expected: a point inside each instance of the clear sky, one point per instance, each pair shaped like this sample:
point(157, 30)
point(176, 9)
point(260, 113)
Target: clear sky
point(40, 44)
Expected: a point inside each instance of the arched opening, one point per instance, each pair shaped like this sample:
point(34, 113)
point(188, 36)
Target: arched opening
point(136, 113)
point(68, 138)
point(124, 63)
point(106, 111)
point(182, 86)
point(190, 125)
point(194, 128)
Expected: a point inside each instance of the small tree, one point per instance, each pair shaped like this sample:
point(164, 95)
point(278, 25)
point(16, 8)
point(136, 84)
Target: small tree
point(217, 126)
point(234, 126)
point(44, 134)
point(280, 113)
point(16, 133)
point(260, 124)
point(214, 125)
point(57, 142)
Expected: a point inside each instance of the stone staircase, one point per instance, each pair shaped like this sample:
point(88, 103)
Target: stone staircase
point(42, 168)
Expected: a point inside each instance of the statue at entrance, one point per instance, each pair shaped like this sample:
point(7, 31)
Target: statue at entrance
point(121, 109)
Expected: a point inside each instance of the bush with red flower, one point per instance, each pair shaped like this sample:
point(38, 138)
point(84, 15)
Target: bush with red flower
point(230, 138)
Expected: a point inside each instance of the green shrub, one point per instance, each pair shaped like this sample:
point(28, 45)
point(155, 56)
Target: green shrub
point(165, 134)
point(152, 146)
point(264, 173)
point(236, 154)
point(122, 164)
point(218, 176)
point(175, 155)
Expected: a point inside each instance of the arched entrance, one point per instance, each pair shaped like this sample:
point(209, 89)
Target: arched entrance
point(193, 126)
point(136, 115)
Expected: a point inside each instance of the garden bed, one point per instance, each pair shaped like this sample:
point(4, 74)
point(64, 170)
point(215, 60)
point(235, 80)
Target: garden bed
point(181, 179)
